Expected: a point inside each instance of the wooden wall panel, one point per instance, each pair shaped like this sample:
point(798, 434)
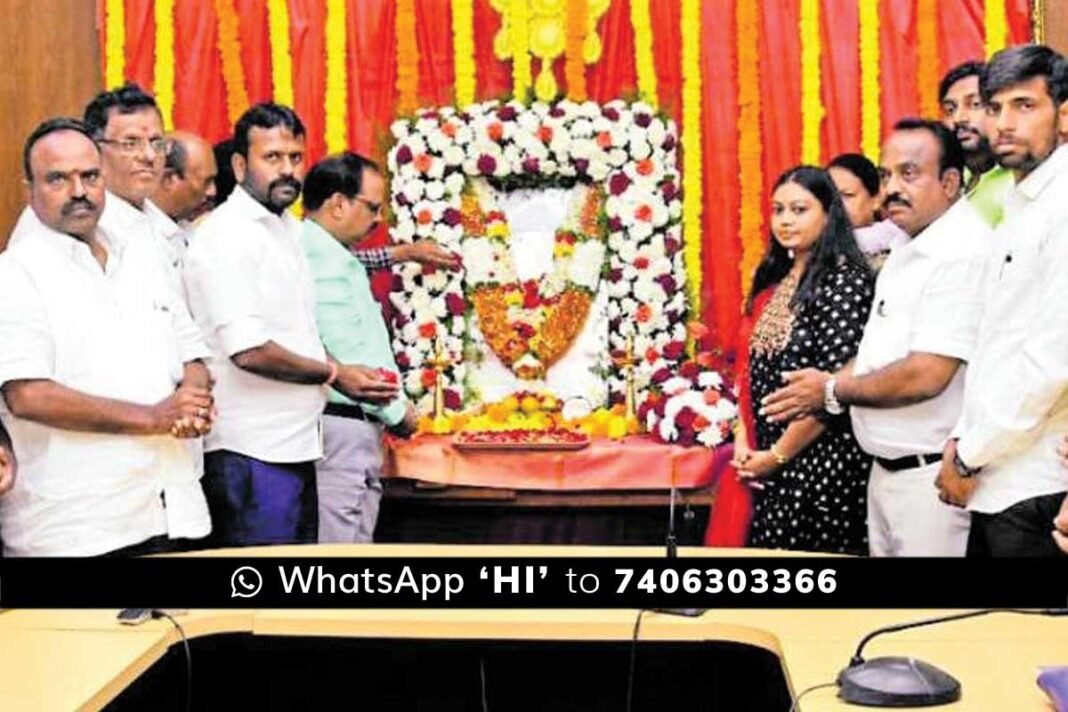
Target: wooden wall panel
point(49, 66)
point(1057, 25)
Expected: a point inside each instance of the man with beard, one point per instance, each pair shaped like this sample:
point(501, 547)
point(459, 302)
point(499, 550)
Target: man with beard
point(907, 381)
point(1002, 462)
point(251, 292)
point(100, 372)
point(986, 183)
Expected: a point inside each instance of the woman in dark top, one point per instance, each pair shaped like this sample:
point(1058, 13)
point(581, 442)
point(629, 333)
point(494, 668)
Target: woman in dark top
point(808, 305)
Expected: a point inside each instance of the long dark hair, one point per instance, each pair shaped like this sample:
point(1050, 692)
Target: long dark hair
point(836, 245)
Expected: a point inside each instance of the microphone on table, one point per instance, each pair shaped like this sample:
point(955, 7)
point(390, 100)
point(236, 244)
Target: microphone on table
point(907, 682)
point(673, 553)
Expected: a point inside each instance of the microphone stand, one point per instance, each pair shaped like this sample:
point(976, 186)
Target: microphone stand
point(673, 553)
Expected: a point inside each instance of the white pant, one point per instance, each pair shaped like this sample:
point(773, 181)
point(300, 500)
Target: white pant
point(347, 480)
point(906, 518)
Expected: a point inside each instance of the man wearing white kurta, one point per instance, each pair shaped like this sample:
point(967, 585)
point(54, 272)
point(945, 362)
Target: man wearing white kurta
point(1003, 463)
point(100, 373)
point(906, 383)
point(251, 292)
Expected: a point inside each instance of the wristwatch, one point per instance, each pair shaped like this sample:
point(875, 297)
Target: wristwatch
point(962, 469)
point(830, 401)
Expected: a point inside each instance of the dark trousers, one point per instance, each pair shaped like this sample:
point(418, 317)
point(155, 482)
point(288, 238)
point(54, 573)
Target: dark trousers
point(1024, 529)
point(254, 502)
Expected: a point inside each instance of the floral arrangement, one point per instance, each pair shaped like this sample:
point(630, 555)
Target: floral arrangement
point(625, 230)
point(692, 405)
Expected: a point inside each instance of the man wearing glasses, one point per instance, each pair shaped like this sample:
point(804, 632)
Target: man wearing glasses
point(128, 127)
point(343, 195)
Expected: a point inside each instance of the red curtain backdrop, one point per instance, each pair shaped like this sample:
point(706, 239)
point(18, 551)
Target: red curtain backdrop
point(200, 93)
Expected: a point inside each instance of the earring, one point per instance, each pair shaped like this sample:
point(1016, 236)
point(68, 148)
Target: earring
point(790, 254)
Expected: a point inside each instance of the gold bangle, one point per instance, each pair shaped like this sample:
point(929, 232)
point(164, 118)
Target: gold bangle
point(779, 457)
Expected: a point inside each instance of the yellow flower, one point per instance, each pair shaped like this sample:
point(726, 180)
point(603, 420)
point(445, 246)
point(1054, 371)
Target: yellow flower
point(549, 402)
point(511, 404)
point(617, 427)
point(530, 404)
point(563, 249)
point(497, 229)
point(513, 298)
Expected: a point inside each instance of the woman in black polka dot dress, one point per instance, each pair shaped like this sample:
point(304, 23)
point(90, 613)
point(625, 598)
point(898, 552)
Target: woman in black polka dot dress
point(812, 294)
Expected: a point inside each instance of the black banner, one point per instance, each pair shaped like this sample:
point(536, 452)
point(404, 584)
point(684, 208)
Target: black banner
point(544, 582)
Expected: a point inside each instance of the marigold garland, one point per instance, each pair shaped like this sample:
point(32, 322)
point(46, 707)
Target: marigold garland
point(927, 57)
point(115, 42)
point(463, 43)
point(574, 63)
point(407, 58)
point(233, 71)
point(692, 198)
point(163, 71)
point(281, 59)
point(337, 81)
point(996, 26)
point(519, 36)
point(750, 150)
point(643, 51)
point(811, 102)
point(871, 117)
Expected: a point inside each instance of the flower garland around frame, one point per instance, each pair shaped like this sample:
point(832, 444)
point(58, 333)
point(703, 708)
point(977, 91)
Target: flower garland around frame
point(626, 149)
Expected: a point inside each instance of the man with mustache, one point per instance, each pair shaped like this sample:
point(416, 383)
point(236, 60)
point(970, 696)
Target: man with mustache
point(906, 384)
point(128, 126)
point(1002, 462)
point(101, 372)
point(251, 293)
point(986, 183)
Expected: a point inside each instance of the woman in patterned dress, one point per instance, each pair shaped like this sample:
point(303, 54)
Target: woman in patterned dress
point(812, 292)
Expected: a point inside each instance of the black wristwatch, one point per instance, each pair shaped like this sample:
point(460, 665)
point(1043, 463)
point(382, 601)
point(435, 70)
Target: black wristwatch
point(962, 469)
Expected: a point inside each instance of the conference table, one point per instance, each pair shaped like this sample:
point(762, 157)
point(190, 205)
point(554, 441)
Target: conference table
point(84, 659)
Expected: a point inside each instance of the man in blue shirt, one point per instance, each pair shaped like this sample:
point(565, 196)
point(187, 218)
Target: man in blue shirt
point(343, 197)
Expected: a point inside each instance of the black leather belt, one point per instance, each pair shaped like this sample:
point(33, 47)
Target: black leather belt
point(909, 462)
point(343, 410)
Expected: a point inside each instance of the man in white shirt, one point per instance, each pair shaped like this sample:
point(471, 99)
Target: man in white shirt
point(127, 125)
point(907, 381)
point(251, 293)
point(1002, 461)
point(101, 372)
point(187, 190)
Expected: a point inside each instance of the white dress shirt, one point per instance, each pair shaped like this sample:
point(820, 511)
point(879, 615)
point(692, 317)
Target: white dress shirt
point(151, 224)
point(117, 332)
point(928, 298)
point(248, 283)
point(1016, 390)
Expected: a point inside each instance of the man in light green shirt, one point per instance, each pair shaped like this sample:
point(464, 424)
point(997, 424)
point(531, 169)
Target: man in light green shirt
point(986, 184)
point(343, 197)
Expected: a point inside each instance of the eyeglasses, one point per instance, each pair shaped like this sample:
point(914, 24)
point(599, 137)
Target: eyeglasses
point(373, 207)
point(136, 145)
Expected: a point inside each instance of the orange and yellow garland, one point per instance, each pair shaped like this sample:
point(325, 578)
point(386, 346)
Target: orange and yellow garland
point(407, 58)
point(281, 59)
point(927, 61)
point(230, 53)
point(115, 42)
point(163, 81)
point(561, 317)
point(750, 151)
point(574, 63)
point(463, 48)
